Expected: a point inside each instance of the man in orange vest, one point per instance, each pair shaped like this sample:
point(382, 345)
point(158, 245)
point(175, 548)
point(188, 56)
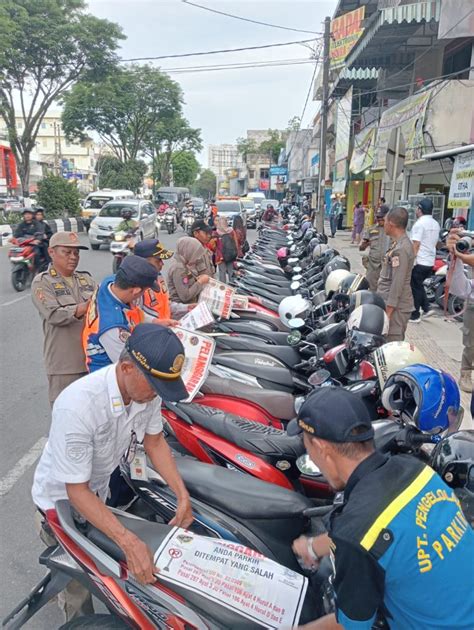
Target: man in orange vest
point(155, 302)
point(113, 312)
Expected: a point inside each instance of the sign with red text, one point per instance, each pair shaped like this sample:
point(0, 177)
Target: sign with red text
point(199, 317)
point(345, 33)
point(219, 298)
point(198, 352)
point(233, 576)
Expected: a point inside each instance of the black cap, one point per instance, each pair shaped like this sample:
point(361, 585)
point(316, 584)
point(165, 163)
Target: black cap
point(200, 224)
point(332, 414)
point(382, 211)
point(151, 247)
point(426, 206)
point(25, 210)
point(159, 354)
point(138, 272)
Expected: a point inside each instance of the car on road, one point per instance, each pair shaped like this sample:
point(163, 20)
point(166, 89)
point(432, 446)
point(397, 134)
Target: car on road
point(95, 200)
point(251, 210)
point(229, 207)
point(110, 216)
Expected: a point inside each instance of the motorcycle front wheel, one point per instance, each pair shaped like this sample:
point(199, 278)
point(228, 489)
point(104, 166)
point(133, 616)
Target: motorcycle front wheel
point(170, 229)
point(20, 278)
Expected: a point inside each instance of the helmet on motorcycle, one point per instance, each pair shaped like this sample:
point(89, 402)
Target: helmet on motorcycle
point(363, 296)
point(292, 307)
point(127, 213)
point(308, 236)
point(319, 250)
point(370, 319)
point(333, 280)
point(282, 253)
point(423, 396)
point(352, 283)
point(394, 356)
point(453, 460)
point(327, 256)
point(338, 262)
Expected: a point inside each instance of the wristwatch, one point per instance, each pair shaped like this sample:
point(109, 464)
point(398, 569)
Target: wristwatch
point(311, 551)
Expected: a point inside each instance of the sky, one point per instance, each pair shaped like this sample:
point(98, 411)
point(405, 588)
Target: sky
point(224, 104)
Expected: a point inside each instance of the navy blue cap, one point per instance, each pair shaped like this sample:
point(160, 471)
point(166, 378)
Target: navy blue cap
point(333, 414)
point(151, 247)
point(138, 272)
point(200, 224)
point(159, 354)
point(426, 206)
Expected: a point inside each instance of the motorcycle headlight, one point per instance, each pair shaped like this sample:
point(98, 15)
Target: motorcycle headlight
point(119, 237)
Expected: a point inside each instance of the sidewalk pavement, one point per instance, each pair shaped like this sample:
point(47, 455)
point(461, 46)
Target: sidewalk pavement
point(439, 340)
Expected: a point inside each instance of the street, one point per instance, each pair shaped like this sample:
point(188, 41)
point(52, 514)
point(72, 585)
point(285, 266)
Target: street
point(25, 423)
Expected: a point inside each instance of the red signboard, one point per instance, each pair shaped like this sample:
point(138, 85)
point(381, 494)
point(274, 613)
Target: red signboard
point(264, 184)
point(345, 32)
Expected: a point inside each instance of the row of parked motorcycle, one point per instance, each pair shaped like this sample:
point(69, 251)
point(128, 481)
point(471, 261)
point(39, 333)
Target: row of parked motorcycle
point(310, 323)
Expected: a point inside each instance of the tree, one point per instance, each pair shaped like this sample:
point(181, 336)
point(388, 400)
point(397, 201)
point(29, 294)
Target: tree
point(205, 186)
point(45, 47)
point(57, 194)
point(122, 109)
point(185, 168)
point(112, 173)
point(273, 144)
point(246, 147)
point(294, 124)
point(167, 140)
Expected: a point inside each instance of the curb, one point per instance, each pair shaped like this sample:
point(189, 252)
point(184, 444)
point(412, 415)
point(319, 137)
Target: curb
point(74, 224)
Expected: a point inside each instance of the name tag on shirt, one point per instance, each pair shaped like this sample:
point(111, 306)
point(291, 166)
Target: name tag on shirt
point(138, 465)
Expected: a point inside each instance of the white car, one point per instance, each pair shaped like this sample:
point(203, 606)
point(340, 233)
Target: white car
point(110, 216)
point(229, 208)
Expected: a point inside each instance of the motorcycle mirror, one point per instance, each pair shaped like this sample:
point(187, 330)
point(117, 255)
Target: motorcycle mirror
point(292, 261)
point(298, 269)
point(296, 322)
point(319, 377)
point(292, 248)
point(306, 466)
point(294, 286)
point(297, 276)
point(294, 338)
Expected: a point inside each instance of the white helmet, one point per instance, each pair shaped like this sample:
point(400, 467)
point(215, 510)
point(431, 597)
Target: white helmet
point(334, 280)
point(369, 318)
point(394, 356)
point(292, 307)
point(319, 250)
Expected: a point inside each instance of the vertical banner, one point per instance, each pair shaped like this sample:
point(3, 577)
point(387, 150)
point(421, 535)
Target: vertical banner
point(345, 32)
point(462, 182)
point(343, 136)
point(363, 151)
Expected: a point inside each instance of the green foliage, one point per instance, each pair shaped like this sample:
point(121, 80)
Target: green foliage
point(56, 195)
point(122, 109)
point(246, 147)
point(45, 47)
point(168, 139)
point(294, 124)
point(120, 175)
point(185, 168)
point(273, 145)
point(205, 186)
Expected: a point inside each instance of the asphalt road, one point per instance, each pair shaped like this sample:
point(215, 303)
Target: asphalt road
point(25, 416)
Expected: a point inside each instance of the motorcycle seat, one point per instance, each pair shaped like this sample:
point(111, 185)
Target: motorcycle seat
point(275, 337)
point(286, 354)
point(239, 495)
point(248, 363)
point(252, 436)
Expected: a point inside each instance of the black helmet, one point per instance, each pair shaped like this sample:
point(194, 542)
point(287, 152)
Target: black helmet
point(353, 283)
point(453, 460)
point(126, 213)
point(308, 235)
point(326, 256)
point(369, 318)
point(338, 262)
point(39, 209)
point(357, 298)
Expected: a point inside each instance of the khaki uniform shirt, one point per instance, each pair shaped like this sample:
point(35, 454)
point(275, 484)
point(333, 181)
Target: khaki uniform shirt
point(394, 282)
point(378, 243)
point(56, 299)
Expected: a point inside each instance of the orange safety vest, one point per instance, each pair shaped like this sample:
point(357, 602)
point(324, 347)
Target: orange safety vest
point(157, 303)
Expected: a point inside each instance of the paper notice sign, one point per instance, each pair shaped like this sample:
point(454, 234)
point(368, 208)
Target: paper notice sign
point(233, 576)
point(199, 317)
point(219, 297)
point(198, 352)
point(240, 301)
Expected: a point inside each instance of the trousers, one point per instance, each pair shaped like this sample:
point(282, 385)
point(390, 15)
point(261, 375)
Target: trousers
point(418, 276)
point(333, 224)
point(75, 601)
point(398, 326)
point(226, 269)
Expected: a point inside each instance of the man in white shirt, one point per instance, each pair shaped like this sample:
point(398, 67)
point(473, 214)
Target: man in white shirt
point(100, 418)
point(425, 236)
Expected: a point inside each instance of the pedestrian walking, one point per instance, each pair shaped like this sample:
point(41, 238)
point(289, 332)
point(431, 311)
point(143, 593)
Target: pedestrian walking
point(357, 222)
point(394, 281)
point(61, 294)
point(187, 272)
point(95, 422)
point(340, 216)
point(333, 215)
point(227, 249)
point(376, 240)
point(425, 236)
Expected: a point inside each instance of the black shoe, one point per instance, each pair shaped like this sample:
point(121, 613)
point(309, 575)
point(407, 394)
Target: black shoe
point(415, 319)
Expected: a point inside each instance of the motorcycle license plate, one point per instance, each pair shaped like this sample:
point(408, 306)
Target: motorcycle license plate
point(16, 259)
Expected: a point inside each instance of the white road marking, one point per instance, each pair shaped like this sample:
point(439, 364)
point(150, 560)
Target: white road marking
point(22, 465)
point(18, 299)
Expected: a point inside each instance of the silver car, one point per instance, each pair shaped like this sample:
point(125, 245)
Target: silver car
point(110, 216)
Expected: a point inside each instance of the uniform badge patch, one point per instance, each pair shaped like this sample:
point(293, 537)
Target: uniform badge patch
point(40, 294)
point(123, 335)
point(395, 261)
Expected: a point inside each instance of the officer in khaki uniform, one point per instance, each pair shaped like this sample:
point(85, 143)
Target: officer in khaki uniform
point(376, 239)
point(394, 282)
point(61, 294)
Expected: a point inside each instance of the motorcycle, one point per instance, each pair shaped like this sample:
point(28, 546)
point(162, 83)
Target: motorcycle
point(170, 221)
point(187, 220)
point(22, 256)
point(121, 246)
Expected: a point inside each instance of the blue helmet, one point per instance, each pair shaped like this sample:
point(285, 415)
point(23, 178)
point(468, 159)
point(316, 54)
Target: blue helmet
point(423, 396)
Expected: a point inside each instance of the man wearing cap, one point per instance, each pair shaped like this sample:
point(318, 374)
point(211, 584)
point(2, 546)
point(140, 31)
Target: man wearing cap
point(399, 542)
point(108, 415)
point(201, 231)
point(156, 302)
point(113, 312)
point(61, 294)
point(376, 239)
point(30, 227)
point(424, 236)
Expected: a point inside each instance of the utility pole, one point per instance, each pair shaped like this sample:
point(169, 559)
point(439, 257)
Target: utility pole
point(324, 125)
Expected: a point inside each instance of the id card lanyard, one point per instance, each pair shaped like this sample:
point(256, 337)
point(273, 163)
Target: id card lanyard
point(136, 459)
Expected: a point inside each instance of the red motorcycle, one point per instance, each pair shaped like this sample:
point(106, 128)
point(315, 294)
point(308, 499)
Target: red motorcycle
point(22, 257)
